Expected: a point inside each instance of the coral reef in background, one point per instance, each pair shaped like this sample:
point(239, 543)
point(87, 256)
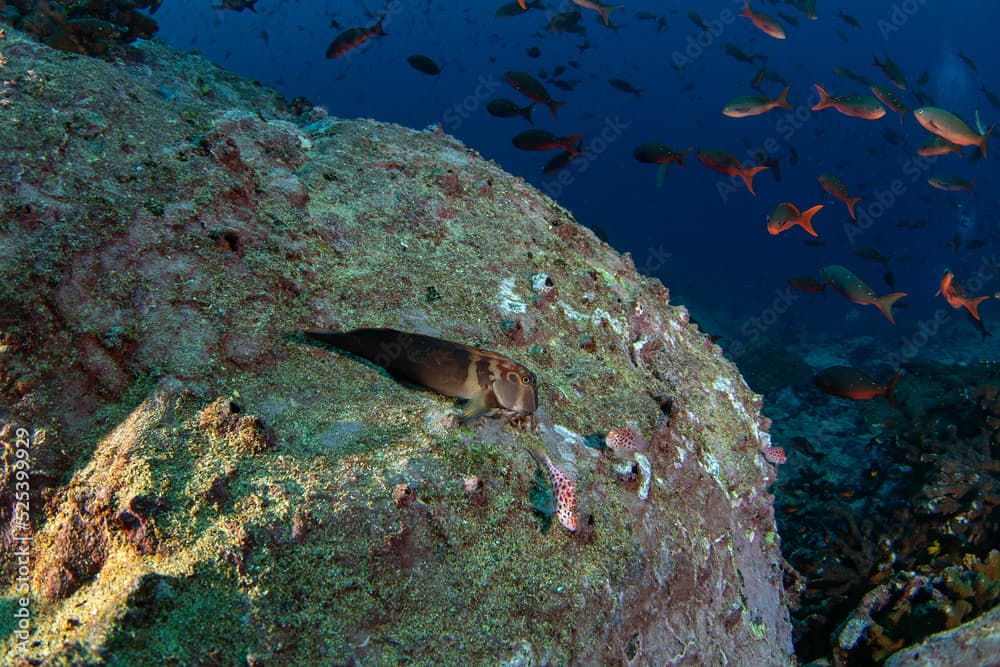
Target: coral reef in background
point(85, 26)
point(889, 518)
point(207, 488)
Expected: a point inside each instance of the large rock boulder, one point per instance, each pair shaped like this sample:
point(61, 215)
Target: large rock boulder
point(208, 488)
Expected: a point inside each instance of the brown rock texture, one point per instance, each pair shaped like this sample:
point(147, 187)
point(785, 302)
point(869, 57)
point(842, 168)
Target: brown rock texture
point(209, 488)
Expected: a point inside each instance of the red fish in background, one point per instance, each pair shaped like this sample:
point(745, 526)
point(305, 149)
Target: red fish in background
point(603, 10)
point(856, 106)
point(520, 3)
point(955, 295)
point(858, 291)
point(533, 89)
point(654, 152)
point(353, 38)
point(836, 187)
point(788, 215)
point(807, 284)
point(848, 382)
point(765, 23)
point(725, 163)
point(543, 140)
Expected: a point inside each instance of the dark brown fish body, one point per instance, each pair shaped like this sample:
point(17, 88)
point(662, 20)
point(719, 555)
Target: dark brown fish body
point(654, 152)
point(423, 64)
point(491, 381)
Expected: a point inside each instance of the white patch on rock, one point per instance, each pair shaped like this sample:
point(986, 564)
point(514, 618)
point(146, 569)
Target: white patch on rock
point(711, 465)
point(509, 302)
point(645, 475)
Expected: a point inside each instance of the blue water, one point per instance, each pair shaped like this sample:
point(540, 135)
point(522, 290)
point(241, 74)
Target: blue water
point(701, 234)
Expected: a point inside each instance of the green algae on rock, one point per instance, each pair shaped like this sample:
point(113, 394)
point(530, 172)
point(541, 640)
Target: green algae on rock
point(153, 270)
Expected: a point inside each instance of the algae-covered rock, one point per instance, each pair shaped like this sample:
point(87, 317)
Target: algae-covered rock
point(207, 487)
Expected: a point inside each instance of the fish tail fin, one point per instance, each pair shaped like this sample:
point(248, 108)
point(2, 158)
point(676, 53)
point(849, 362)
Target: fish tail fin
point(606, 10)
point(886, 302)
point(748, 173)
point(328, 336)
point(805, 219)
point(571, 142)
point(851, 202)
point(680, 159)
point(985, 139)
point(377, 28)
point(782, 100)
point(890, 389)
point(526, 112)
point(825, 100)
point(973, 306)
point(553, 105)
point(747, 12)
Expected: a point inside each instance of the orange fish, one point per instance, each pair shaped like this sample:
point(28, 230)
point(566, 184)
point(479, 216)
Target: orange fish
point(848, 382)
point(858, 291)
point(856, 106)
point(836, 187)
point(754, 105)
point(765, 23)
point(936, 145)
point(603, 10)
point(949, 182)
point(520, 3)
point(955, 295)
point(788, 215)
point(949, 126)
point(563, 490)
point(353, 38)
point(727, 164)
point(890, 99)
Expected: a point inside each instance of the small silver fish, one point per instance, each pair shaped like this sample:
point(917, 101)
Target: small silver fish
point(490, 381)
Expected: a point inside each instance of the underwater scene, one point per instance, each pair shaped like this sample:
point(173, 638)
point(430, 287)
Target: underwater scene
point(537, 332)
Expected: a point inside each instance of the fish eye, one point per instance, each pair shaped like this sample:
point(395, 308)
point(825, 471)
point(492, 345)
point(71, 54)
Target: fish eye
point(525, 379)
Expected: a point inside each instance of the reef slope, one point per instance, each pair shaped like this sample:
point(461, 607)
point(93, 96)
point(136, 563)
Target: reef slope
point(208, 488)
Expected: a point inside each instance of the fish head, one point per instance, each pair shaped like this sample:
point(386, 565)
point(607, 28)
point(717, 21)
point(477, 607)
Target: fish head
point(516, 388)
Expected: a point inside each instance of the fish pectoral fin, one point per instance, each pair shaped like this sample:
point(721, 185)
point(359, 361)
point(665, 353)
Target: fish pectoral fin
point(479, 405)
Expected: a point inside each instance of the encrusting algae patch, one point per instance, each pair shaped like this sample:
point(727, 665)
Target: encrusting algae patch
point(207, 488)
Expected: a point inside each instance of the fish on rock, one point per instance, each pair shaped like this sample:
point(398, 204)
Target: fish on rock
point(492, 382)
point(625, 441)
point(563, 491)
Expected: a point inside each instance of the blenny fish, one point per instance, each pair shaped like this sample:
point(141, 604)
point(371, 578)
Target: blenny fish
point(563, 491)
point(491, 382)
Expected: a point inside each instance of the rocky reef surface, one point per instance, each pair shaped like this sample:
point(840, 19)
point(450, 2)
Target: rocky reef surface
point(204, 487)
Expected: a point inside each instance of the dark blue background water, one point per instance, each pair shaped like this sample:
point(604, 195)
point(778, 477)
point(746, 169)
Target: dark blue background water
point(703, 235)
